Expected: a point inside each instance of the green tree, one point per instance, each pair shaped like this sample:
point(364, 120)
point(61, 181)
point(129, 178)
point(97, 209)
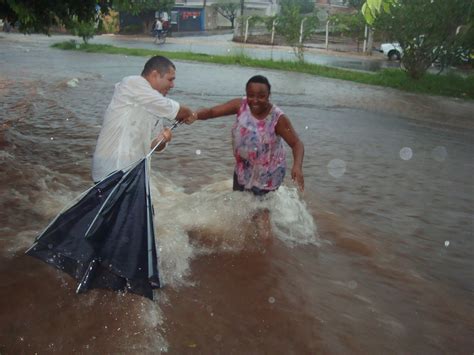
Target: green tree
point(289, 25)
point(41, 15)
point(84, 29)
point(357, 4)
point(306, 6)
point(349, 24)
point(228, 9)
point(144, 9)
point(428, 31)
point(371, 9)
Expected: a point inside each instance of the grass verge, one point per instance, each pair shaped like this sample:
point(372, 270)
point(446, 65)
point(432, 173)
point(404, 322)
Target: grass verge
point(444, 85)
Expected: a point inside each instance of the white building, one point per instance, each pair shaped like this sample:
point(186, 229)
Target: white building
point(215, 20)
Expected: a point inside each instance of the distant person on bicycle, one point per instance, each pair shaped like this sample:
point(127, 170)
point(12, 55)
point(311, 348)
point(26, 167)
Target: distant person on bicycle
point(158, 28)
point(166, 26)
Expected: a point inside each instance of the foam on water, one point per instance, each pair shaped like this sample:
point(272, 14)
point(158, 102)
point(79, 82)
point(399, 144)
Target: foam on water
point(291, 221)
point(217, 219)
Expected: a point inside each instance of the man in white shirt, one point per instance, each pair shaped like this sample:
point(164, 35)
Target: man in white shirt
point(134, 116)
point(158, 27)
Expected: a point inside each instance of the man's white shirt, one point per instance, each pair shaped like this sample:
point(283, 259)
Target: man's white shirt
point(132, 119)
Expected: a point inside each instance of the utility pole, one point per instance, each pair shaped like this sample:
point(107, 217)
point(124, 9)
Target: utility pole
point(242, 17)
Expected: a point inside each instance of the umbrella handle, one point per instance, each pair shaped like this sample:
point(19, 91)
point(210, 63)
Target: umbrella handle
point(175, 124)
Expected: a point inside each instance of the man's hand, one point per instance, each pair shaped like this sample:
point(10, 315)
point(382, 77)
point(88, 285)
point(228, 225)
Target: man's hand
point(191, 118)
point(167, 135)
point(164, 137)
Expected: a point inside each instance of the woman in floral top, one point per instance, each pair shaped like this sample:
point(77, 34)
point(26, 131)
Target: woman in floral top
point(257, 134)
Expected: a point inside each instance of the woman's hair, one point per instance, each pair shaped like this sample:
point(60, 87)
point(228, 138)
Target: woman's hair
point(159, 63)
point(260, 79)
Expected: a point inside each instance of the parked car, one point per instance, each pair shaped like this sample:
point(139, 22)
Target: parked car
point(443, 59)
point(392, 51)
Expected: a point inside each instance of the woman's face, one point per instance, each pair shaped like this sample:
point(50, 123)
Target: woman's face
point(258, 98)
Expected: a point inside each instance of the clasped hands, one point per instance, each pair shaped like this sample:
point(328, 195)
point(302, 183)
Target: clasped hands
point(193, 116)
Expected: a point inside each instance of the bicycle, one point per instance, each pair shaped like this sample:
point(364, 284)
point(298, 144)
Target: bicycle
point(160, 36)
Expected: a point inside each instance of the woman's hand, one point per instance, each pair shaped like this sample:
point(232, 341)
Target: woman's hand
point(297, 177)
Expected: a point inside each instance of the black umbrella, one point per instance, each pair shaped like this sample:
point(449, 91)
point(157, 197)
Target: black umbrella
point(106, 239)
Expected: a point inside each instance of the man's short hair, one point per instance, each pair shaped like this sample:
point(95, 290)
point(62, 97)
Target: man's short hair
point(159, 63)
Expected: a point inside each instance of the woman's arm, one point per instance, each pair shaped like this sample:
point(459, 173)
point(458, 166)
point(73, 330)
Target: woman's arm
point(285, 130)
point(229, 108)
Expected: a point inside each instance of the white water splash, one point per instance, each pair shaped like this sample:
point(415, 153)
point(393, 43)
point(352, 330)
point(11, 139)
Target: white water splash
point(73, 82)
point(223, 218)
point(291, 221)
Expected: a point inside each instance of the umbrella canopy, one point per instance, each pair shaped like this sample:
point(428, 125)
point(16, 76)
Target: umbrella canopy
point(106, 239)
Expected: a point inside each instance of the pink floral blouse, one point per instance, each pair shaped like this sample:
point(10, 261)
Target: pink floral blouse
point(260, 157)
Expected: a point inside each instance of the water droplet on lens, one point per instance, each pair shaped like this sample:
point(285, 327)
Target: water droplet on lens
point(336, 168)
point(406, 153)
point(439, 153)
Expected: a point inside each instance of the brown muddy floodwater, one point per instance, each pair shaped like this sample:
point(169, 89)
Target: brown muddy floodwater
point(376, 256)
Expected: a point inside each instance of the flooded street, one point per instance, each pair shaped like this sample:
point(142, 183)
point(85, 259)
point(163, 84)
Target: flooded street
point(376, 256)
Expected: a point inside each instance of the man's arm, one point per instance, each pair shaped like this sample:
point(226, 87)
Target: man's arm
point(183, 113)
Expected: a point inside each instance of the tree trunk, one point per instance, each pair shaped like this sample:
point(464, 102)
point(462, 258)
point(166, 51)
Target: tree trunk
point(370, 41)
point(204, 4)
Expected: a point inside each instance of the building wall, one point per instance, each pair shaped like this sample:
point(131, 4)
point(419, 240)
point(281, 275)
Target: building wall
point(212, 19)
point(215, 20)
point(187, 19)
point(331, 2)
